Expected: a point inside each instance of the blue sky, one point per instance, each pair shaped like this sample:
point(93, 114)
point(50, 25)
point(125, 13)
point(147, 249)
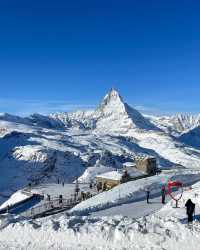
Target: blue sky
point(65, 55)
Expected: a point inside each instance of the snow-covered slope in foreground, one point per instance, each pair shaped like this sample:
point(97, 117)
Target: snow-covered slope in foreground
point(167, 229)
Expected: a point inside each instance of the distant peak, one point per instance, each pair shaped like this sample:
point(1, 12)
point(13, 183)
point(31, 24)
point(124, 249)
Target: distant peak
point(113, 91)
point(112, 102)
point(113, 94)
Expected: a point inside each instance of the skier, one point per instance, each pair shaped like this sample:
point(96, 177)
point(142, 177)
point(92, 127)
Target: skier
point(148, 194)
point(190, 210)
point(163, 192)
point(63, 183)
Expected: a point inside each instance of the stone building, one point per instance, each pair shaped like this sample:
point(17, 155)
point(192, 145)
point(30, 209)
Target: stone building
point(146, 164)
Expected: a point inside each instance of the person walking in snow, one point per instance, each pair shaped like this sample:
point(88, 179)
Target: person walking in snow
point(148, 194)
point(190, 210)
point(163, 193)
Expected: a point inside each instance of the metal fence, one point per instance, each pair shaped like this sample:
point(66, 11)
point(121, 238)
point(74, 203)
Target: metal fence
point(50, 206)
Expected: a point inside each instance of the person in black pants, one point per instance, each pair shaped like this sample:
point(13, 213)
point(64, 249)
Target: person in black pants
point(148, 194)
point(190, 210)
point(60, 200)
point(163, 192)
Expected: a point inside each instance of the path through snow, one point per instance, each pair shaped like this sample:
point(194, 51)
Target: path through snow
point(134, 209)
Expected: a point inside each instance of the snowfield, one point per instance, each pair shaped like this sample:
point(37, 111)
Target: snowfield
point(166, 229)
point(132, 191)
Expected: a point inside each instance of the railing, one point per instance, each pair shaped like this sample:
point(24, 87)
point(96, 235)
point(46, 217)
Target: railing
point(50, 207)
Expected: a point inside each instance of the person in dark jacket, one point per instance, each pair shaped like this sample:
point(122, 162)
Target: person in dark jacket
point(60, 199)
point(148, 194)
point(190, 209)
point(163, 193)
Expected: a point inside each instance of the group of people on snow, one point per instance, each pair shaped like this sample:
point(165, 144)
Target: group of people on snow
point(190, 206)
point(163, 194)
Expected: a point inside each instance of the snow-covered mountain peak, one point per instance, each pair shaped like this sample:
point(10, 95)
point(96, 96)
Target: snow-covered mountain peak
point(114, 115)
point(112, 95)
point(112, 102)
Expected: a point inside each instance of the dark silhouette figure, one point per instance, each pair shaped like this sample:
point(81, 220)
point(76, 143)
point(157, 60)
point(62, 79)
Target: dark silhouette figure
point(60, 199)
point(148, 194)
point(190, 209)
point(63, 184)
point(48, 197)
point(82, 196)
point(163, 193)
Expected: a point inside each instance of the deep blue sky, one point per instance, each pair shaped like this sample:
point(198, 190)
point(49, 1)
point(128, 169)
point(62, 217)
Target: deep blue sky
point(62, 55)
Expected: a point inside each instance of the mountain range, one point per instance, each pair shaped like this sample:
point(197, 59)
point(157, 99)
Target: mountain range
point(64, 146)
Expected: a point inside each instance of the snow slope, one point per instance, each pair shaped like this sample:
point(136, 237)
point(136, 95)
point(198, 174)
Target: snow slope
point(133, 191)
point(15, 198)
point(166, 229)
point(42, 149)
point(191, 137)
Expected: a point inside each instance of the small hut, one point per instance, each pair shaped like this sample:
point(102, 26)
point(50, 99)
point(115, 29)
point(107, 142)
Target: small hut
point(109, 180)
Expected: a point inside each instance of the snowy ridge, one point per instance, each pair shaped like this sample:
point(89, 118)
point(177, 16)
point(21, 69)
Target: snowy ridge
point(175, 124)
point(43, 148)
point(116, 116)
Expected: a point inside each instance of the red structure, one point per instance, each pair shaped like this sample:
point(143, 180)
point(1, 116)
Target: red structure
point(177, 185)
